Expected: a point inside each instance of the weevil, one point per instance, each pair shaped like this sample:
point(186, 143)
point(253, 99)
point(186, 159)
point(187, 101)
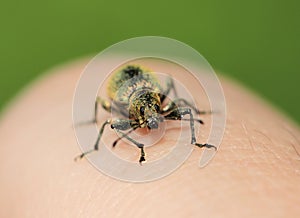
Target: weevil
point(139, 97)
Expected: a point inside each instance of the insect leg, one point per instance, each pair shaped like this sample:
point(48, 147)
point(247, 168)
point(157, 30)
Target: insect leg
point(97, 141)
point(195, 119)
point(170, 86)
point(183, 102)
point(124, 125)
point(118, 125)
point(177, 114)
point(172, 106)
point(127, 133)
point(122, 109)
point(139, 145)
point(106, 105)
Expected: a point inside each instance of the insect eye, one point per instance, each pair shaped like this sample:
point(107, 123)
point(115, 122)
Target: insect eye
point(142, 110)
point(156, 108)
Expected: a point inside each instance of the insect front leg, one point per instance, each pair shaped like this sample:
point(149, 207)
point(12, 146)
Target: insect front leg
point(119, 138)
point(139, 145)
point(178, 114)
point(120, 125)
point(97, 141)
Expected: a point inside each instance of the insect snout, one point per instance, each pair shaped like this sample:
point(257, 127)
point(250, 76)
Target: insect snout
point(152, 122)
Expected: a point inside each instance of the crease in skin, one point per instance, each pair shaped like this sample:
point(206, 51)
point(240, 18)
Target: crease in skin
point(267, 144)
point(278, 159)
point(296, 139)
point(247, 134)
point(293, 146)
point(272, 144)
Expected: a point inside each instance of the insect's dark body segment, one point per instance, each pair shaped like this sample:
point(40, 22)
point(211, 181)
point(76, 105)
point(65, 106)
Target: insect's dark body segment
point(138, 97)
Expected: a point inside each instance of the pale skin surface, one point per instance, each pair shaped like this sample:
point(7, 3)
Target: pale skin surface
point(256, 172)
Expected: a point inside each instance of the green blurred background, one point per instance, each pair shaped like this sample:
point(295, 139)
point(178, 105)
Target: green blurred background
point(256, 42)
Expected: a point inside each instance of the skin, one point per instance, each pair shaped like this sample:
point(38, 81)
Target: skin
point(256, 172)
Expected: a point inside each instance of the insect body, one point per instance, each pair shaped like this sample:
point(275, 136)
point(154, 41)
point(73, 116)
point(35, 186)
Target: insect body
point(139, 98)
point(138, 91)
